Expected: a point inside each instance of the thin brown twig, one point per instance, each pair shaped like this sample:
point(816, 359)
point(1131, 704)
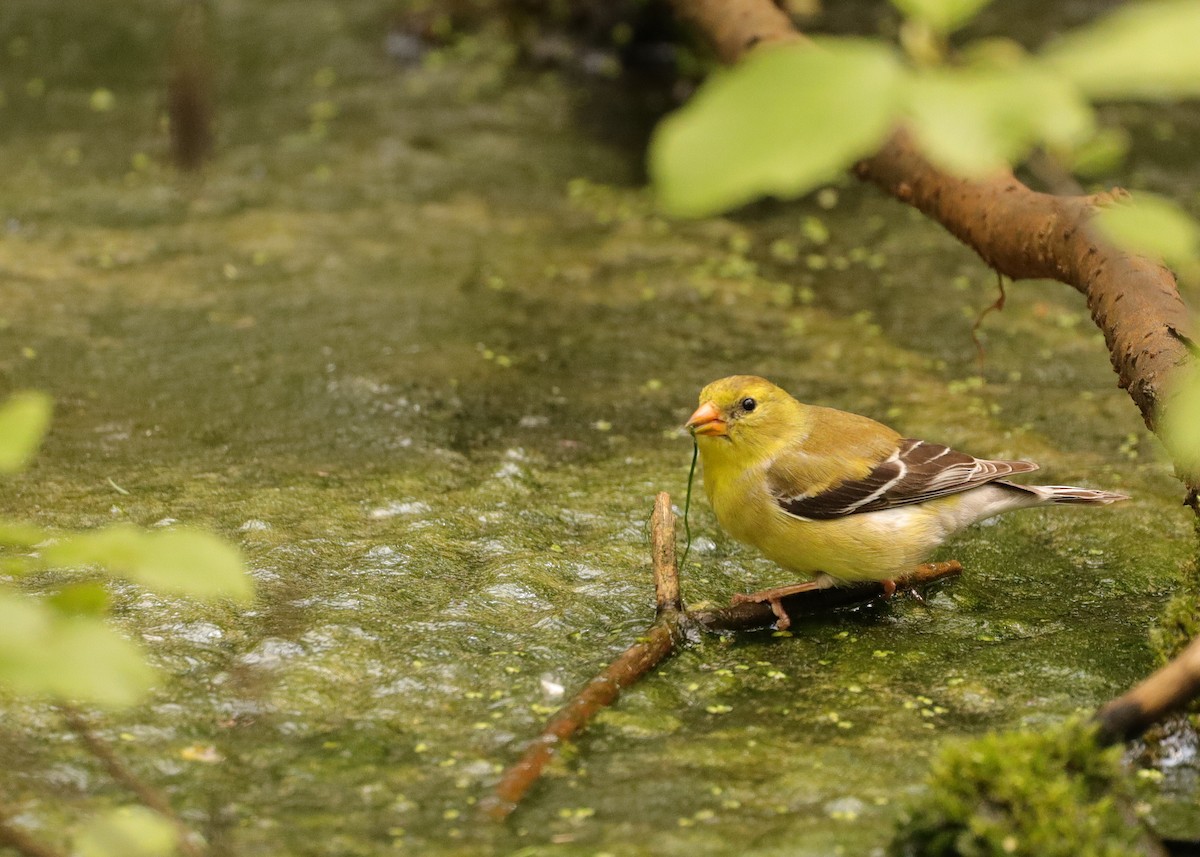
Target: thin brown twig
point(996, 306)
point(652, 648)
point(659, 642)
point(123, 775)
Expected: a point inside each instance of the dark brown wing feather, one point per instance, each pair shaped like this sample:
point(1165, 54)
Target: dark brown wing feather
point(915, 472)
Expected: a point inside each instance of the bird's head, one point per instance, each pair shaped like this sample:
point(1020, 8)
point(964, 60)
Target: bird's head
point(746, 413)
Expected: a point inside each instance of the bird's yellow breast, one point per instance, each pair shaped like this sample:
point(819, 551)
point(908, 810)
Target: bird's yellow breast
point(867, 546)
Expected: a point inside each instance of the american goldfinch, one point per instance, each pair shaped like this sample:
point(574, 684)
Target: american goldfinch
point(838, 497)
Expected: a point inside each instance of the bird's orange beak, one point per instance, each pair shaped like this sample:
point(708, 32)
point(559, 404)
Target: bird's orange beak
point(707, 420)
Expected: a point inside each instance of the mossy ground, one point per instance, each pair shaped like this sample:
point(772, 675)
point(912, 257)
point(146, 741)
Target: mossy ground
point(1050, 793)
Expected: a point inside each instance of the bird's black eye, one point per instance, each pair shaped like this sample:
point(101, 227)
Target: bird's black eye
point(748, 404)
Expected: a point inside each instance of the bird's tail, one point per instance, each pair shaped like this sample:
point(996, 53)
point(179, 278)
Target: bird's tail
point(1068, 496)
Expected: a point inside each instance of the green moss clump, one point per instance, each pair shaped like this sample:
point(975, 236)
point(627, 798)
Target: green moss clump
point(1045, 793)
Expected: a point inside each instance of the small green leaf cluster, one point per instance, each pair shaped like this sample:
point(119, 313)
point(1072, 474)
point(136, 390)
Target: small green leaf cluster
point(1052, 793)
point(61, 647)
point(790, 118)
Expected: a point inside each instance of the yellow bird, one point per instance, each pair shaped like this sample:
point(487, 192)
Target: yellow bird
point(838, 497)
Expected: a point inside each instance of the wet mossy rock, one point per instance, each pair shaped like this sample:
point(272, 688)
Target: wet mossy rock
point(1040, 794)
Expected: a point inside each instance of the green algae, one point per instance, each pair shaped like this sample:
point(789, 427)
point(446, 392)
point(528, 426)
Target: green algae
point(303, 352)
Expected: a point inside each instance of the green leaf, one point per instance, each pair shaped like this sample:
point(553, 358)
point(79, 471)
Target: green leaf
point(1142, 50)
point(781, 123)
point(16, 566)
point(1151, 226)
point(17, 535)
point(943, 16)
point(23, 421)
point(1180, 425)
point(81, 599)
point(1102, 154)
point(977, 121)
point(179, 561)
point(130, 831)
point(70, 658)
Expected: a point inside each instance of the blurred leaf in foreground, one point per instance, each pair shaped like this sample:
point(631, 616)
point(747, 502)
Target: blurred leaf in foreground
point(1181, 425)
point(23, 421)
point(14, 534)
point(1141, 50)
point(780, 123)
point(69, 658)
point(131, 831)
point(975, 121)
point(89, 598)
point(175, 561)
point(1102, 154)
point(1151, 226)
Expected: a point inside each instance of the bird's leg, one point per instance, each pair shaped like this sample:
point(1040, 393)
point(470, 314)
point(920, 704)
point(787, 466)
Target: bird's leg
point(774, 596)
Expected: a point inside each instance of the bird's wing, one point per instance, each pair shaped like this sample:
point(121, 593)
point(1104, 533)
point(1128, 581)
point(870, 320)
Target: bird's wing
point(916, 471)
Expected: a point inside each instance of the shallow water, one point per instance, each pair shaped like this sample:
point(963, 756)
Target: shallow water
point(419, 344)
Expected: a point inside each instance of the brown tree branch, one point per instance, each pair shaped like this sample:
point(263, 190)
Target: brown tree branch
point(1018, 232)
point(662, 555)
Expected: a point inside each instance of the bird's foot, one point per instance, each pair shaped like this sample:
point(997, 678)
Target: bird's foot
point(774, 596)
point(915, 595)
